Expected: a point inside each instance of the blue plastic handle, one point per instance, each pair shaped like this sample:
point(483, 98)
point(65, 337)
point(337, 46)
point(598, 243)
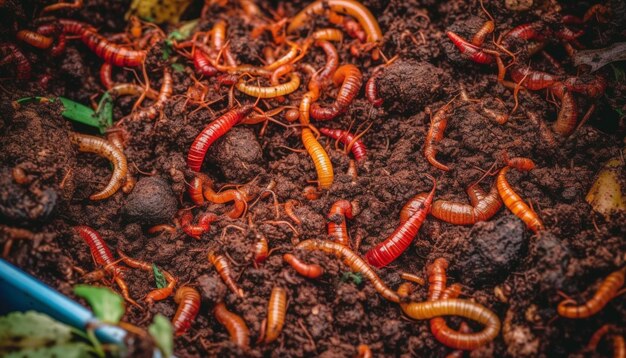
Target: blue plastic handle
point(20, 291)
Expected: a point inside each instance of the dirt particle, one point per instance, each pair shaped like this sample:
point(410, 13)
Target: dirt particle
point(151, 202)
point(238, 155)
point(211, 289)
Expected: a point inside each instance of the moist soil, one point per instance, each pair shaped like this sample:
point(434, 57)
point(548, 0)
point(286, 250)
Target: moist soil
point(500, 263)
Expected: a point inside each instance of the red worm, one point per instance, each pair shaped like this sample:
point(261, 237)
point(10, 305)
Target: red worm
point(195, 188)
point(525, 32)
point(212, 132)
point(337, 215)
point(387, 251)
point(307, 270)
point(34, 39)
point(203, 225)
point(106, 75)
point(14, 54)
point(567, 117)
point(483, 207)
point(237, 196)
point(568, 34)
point(234, 324)
point(482, 33)
point(358, 148)
point(412, 206)
point(533, 80)
point(593, 88)
point(321, 79)
point(164, 94)
point(202, 65)
point(110, 52)
point(102, 256)
point(438, 124)
point(61, 41)
point(472, 52)
point(261, 250)
point(371, 91)
point(606, 292)
point(351, 79)
point(188, 300)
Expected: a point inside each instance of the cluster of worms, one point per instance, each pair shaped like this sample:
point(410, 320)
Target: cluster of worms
point(296, 89)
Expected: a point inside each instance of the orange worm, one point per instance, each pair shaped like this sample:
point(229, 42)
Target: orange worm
point(412, 278)
point(276, 310)
point(323, 166)
point(34, 39)
point(188, 300)
point(222, 266)
point(350, 79)
point(164, 94)
point(271, 91)
point(606, 292)
point(196, 230)
point(482, 33)
point(515, 203)
point(159, 293)
point(364, 351)
point(483, 207)
point(97, 145)
point(454, 307)
point(289, 210)
point(352, 260)
point(234, 324)
point(337, 215)
point(438, 125)
point(307, 270)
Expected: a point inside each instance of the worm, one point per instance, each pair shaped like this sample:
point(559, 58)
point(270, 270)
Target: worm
point(287, 58)
point(289, 210)
point(234, 324)
point(482, 33)
point(203, 225)
point(594, 88)
point(598, 335)
point(438, 124)
point(412, 206)
point(271, 91)
point(515, 203)
point(312, 271)
point(202, 65)
point(599, 11)
point(470, 51)
point(371, 91)
point(76, 4)
point(358, 148)
point(437, 278)
point(305, 107)
point(606, 292)
point(102, 256)
point(525, 32)
point(158, 294)
point(222, 266)
point(337, 215)
point(351, 79)
point(353, 28)
point(276, 310)
point(349, 7)
point(364, 351)
point(483, 207)
point(455, 307)
point(110, 52)
point(328, 35)
point(212, 132)
point(164, 94)
point(354, 261)
point(188, 300)
point(15, 55)
point(277, 74)
point(34, 39)
point(387, 251)
point(463, 328)
point(92, 144)
point(131, 89)
point(568, 34)
point(533, 80)
point(106, 75)
point(412, 278)
point(619, 346)
point(238, 197)
point(323, 166)
point(311, 193)
point(195, 188)
point(321, 78)
point(61, 40)
point(261, 250)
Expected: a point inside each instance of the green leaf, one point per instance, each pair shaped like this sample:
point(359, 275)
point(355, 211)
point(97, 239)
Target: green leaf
point(73, 111)
point(107, 305)
point(65, 350)
point(104, 113)
point(31, 329)
point(158, 277)
point(354, 277)
point(162, 332)
point(178, 67)
point(184, 31)
point(166, 50)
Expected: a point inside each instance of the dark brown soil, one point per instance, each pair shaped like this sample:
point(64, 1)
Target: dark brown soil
point(500, 263)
